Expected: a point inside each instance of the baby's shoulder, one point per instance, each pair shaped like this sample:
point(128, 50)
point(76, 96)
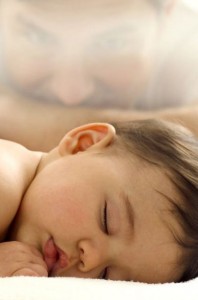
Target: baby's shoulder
point(10, 197)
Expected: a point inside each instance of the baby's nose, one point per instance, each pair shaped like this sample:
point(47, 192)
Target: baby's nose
point(92, 255)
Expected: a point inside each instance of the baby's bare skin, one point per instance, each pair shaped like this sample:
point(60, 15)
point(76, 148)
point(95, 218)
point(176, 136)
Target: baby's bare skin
point(20, 259)
point(60, 196)
point(16, 258)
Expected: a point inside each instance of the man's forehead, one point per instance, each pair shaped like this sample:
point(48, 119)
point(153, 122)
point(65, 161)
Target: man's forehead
point(67, 10)
point(92, 4)
point(102, 13)
point(85, 3)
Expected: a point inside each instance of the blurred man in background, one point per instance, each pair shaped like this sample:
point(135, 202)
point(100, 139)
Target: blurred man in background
point(100, 53)
point(93, 54)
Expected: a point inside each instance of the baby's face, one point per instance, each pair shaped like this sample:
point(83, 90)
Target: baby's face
point(107, 213)
point(93, 52)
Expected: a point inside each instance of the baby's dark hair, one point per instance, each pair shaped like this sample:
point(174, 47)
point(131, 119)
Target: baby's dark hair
point(174, 149)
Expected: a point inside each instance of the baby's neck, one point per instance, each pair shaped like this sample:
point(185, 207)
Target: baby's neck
point(28, 162)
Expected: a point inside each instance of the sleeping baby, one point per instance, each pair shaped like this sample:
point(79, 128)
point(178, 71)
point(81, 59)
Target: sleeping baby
point(112, 201)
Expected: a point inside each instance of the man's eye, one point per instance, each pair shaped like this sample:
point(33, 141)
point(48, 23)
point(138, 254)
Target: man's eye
point(105, 221)
point(36, 35)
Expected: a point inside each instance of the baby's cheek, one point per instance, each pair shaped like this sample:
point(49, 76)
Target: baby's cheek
point(76, 217)
point(78, 211)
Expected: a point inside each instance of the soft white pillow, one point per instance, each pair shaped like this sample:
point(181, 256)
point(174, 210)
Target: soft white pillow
point(37, 288)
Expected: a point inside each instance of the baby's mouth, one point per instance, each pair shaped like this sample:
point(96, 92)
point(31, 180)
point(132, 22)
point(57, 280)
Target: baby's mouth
point(54, 257)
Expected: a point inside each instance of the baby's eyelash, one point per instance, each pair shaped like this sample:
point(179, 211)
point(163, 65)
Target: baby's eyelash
point(104, 276)
point(105, 221)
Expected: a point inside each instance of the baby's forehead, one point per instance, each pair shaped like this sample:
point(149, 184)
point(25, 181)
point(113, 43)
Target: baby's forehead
point(166, 194)
point(152, 180)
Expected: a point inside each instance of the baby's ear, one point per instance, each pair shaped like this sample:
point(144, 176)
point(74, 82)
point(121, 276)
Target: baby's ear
point(87, 137)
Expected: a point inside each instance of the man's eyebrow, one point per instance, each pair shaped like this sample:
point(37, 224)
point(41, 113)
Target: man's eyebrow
point(117, 37)
point(34, 27)
point(129, 213)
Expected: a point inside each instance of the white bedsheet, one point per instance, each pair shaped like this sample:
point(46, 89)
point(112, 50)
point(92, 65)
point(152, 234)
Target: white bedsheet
point(35, 288)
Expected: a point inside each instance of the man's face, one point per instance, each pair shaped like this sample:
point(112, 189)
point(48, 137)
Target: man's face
point(107, 216)
point(92, 52)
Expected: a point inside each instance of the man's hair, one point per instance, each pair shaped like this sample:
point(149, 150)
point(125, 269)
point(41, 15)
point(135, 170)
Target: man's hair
point(174, 149)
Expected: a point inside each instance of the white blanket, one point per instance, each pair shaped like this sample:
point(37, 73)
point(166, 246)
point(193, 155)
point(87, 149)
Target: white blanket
point(35, 288)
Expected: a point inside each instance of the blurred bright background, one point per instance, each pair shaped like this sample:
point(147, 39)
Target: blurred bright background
point(192, 3)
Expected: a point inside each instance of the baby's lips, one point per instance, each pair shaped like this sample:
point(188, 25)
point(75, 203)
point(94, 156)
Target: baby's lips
point(50, 249)
point(50, 263)
point(50, 254)
point(63, 259)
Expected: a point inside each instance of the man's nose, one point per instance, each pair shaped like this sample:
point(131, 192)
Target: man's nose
point(92, 255)
point(72, 85)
